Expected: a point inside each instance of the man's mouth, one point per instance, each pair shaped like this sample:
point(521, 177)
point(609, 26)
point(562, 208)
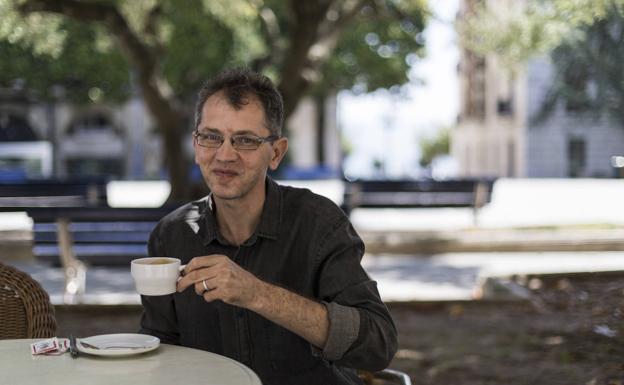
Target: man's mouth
point(224, 173)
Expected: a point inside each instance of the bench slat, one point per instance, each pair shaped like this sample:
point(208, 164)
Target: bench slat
point(385, 199)
point(98, 226)
point(96, 237)
point(104, 249)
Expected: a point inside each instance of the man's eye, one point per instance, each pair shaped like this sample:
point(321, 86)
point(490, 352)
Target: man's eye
point(212, 137)
point(245, 140)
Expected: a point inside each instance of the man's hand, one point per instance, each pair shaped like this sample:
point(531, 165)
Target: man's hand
point(224, 279)
point(232, 284)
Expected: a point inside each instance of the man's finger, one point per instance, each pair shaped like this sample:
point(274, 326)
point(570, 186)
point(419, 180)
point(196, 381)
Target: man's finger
point(202, 262)
point(204, 285)
point(188, 280)
point(211, 295)
point(196, 276)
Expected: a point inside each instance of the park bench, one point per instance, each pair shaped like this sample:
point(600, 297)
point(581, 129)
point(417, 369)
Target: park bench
point(473, 193)
point(73, 227)
point(78, 237)
point(96, 235)
point(52, 193)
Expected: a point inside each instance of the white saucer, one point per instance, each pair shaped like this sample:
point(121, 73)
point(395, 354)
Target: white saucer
point(119, 344)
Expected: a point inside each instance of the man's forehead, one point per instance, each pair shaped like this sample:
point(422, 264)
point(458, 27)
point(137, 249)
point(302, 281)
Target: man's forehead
point(217, 107)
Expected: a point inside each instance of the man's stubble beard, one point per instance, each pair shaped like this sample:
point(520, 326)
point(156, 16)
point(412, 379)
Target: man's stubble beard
point(245, 188)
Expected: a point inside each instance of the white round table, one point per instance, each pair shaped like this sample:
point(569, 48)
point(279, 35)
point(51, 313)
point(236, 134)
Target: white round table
point(167, 365)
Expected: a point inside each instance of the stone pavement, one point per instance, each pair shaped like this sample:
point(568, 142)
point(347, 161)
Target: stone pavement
point(401, 278)
point(590, 210)
point(457, 276)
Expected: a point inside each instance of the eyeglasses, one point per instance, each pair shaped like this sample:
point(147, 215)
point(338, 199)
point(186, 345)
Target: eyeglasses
point(243, 142)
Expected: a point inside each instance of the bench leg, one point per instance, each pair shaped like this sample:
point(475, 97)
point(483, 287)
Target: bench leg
point(75, 270)
point(480, 194)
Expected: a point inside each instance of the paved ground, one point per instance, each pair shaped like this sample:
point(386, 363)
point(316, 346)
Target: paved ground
point(538, 204)
point(458, 276)
point(401, 278)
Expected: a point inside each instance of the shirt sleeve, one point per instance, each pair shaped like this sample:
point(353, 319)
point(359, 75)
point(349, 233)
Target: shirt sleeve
point(159, 316)
point(361, 334)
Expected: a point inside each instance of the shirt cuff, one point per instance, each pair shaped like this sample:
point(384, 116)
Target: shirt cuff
point(344, 326)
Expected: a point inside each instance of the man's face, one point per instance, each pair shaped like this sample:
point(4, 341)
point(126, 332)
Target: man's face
point(229, 173)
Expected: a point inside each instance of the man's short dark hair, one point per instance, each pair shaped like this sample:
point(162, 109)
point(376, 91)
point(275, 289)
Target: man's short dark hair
point(239, 86)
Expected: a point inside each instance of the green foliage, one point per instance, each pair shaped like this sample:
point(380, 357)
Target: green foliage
point(40, 33)
point(198, 47)
point(241, 18)
point(431, 147)
point(78, 68)
point(196, 38)
point(517, 31)
point(589, 74)
point(85, 58)
point(377, 50)
point(582, 37)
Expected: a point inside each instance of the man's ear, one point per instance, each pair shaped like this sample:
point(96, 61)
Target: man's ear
point(279, 149)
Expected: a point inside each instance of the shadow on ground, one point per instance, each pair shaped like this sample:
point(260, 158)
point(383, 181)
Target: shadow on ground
point(572, 332)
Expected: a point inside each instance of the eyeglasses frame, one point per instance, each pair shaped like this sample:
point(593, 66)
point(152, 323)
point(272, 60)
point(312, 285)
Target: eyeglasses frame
point(259, 139)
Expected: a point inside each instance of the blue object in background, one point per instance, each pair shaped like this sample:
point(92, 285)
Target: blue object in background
point(16, 174)
point(318, 172)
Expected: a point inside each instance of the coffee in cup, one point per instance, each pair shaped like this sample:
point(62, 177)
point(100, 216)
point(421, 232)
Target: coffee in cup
point(155, 275)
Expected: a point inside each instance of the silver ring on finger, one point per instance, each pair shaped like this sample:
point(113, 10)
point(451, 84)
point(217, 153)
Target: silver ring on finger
point(204, 284)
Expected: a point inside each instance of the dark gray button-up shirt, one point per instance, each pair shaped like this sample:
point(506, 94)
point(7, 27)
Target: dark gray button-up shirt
point(304, 243)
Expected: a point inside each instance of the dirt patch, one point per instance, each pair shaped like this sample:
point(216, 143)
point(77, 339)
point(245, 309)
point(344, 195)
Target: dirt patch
point(571, 332)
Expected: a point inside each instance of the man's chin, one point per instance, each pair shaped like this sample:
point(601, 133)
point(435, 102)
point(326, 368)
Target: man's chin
point(226, 197)
point(225, 193)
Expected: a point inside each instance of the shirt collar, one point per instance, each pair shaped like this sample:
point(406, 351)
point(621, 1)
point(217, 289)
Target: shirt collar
point(269, 221)
point(210, 221)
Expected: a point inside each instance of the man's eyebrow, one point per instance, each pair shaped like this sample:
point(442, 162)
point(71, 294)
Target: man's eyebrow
point(245, 132)
point(208, 130)
point(217, 131)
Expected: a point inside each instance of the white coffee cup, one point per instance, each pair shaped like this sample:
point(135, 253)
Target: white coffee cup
point(155, 275)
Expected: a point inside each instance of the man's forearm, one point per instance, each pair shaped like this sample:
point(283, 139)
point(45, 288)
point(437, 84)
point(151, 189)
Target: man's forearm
point(302, 316)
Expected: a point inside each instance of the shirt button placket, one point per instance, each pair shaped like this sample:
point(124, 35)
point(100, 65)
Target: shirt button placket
point(241, 320)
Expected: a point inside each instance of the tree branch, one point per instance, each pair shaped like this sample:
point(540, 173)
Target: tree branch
point(139, 55)
point(271, 34)
point(346, 14)
point(304, 24)
point(270, 27)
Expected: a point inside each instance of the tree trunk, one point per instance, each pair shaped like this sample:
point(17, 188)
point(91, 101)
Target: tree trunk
point(305, 22)
point(170, 123)
point(143, 59)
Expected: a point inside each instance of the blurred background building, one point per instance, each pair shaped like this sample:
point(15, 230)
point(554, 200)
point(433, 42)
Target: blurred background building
point(45, 140)
point(504, 131)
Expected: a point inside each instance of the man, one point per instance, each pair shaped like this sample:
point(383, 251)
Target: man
point(273, 276)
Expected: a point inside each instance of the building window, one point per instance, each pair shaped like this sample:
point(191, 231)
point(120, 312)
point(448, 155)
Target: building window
point(576, 157)
point(504, 107)
point(504, 93)
point(15, 128)
point(576, 82)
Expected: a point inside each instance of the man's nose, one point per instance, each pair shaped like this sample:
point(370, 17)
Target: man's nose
point(226, 151)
